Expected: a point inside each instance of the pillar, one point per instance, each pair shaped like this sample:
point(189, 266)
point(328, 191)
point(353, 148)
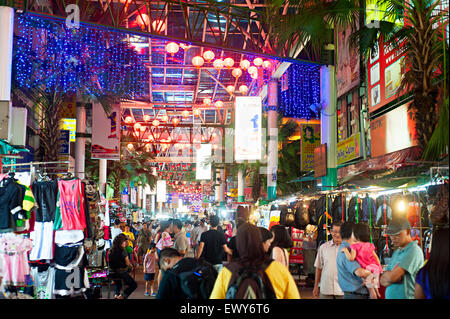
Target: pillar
point(272, 132)
point(328, 122)
point(80, 140)
point(103, 164)
point(241, 186)
point(222, 187)
point(6, 53)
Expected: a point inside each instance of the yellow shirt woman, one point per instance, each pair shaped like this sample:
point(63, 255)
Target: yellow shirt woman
point(282, 282)
point(130, 236)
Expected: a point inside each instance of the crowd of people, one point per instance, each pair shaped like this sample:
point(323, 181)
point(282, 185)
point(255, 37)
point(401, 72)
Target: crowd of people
point(245, 261)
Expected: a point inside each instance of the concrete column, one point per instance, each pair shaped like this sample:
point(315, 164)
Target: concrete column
point(140, 196)
point(103, 164)
point(6, 51)
point(241, 186)
point(80, 141)
point(272, 132)
point(328, 122)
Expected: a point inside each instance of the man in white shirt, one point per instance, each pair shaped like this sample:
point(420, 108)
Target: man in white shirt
point(115, 230)
point(326, 269)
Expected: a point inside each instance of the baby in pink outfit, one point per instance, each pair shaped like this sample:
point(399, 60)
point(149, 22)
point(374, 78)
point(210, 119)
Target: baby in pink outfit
point(364, 253)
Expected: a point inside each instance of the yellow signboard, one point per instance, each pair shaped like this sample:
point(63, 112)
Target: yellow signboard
point(348, 149)
point(71, 125)
point(310, 135)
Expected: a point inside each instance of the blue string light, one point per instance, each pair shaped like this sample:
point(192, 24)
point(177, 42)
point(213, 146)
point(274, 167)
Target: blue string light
point(303, 91)
point(64, 60)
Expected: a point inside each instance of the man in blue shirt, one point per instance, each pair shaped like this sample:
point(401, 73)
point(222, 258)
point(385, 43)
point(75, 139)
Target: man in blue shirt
point(350, 273)
point(407, 259)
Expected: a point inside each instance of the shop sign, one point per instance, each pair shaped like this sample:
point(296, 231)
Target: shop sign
point(348, 149)
point(320, 161)
point(248, 130)
point(71, 125)
point(393, 131)
point(274, 218)
point(65, 142)
point(309, 141)
point(347, 66)
point(385, 71)
point(105, 133)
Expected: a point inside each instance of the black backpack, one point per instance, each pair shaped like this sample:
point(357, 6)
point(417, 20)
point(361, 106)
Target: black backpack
point(198, 283)
point(369, 210)
point(312, 212)
point(301, 216)
point(339, 208)
point(249, 283)
point(354, 210)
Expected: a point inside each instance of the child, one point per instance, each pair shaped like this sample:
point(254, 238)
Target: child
point(149, 269)
point(364, 253)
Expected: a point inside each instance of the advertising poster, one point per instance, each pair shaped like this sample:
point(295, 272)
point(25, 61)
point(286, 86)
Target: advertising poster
point(347, 70)
point(320, 160)
point(70, 125)
point(203, 163)
point(393, 131)
point(310, 139)
point(348, 149)
point(105, 133)
point(161, 191)
point(248, 131)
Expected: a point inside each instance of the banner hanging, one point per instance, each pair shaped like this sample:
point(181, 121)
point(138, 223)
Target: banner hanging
point(105, 133)
point(203, 167)
point(310, 139)
point(248, 131)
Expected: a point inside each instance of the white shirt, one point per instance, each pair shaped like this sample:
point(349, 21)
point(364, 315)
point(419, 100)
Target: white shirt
point(326, 260)
point(114, 232)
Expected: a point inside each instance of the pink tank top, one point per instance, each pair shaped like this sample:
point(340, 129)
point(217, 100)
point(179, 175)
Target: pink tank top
point(72, 205)
point(364, 254)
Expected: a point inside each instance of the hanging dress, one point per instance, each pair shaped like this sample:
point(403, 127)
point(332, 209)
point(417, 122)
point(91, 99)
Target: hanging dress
point(71, 205)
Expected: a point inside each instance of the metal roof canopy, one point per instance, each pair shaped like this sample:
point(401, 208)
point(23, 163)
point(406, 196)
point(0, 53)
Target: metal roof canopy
point(174, 84)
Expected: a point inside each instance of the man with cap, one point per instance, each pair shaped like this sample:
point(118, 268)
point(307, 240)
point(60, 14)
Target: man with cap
point(407, 259)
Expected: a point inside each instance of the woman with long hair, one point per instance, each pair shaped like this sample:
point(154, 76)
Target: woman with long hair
point(267, 239)
point(119, 266)
point(277, 280)
point(432, 281)
point(281, 243)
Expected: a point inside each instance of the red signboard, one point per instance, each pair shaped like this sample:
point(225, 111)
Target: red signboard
point(296, 255)
point(385, 71)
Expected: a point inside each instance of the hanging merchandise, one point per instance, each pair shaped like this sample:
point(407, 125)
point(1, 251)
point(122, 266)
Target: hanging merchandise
point(295, 254)
point(11, 200)
point(71, 205)
point(45, 193)
point(339, 207)
point(42, 238)
point(44, 281)
point(301, 215)
point(71, 278)
point(354, 208)
point(369, 209)
point(312, 212)
point(384, 211)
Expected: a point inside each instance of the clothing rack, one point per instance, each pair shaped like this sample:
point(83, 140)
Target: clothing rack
point(56, 167)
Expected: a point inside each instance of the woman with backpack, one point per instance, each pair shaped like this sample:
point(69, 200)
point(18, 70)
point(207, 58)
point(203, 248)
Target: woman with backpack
point(254, 275)
point(281, 243)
